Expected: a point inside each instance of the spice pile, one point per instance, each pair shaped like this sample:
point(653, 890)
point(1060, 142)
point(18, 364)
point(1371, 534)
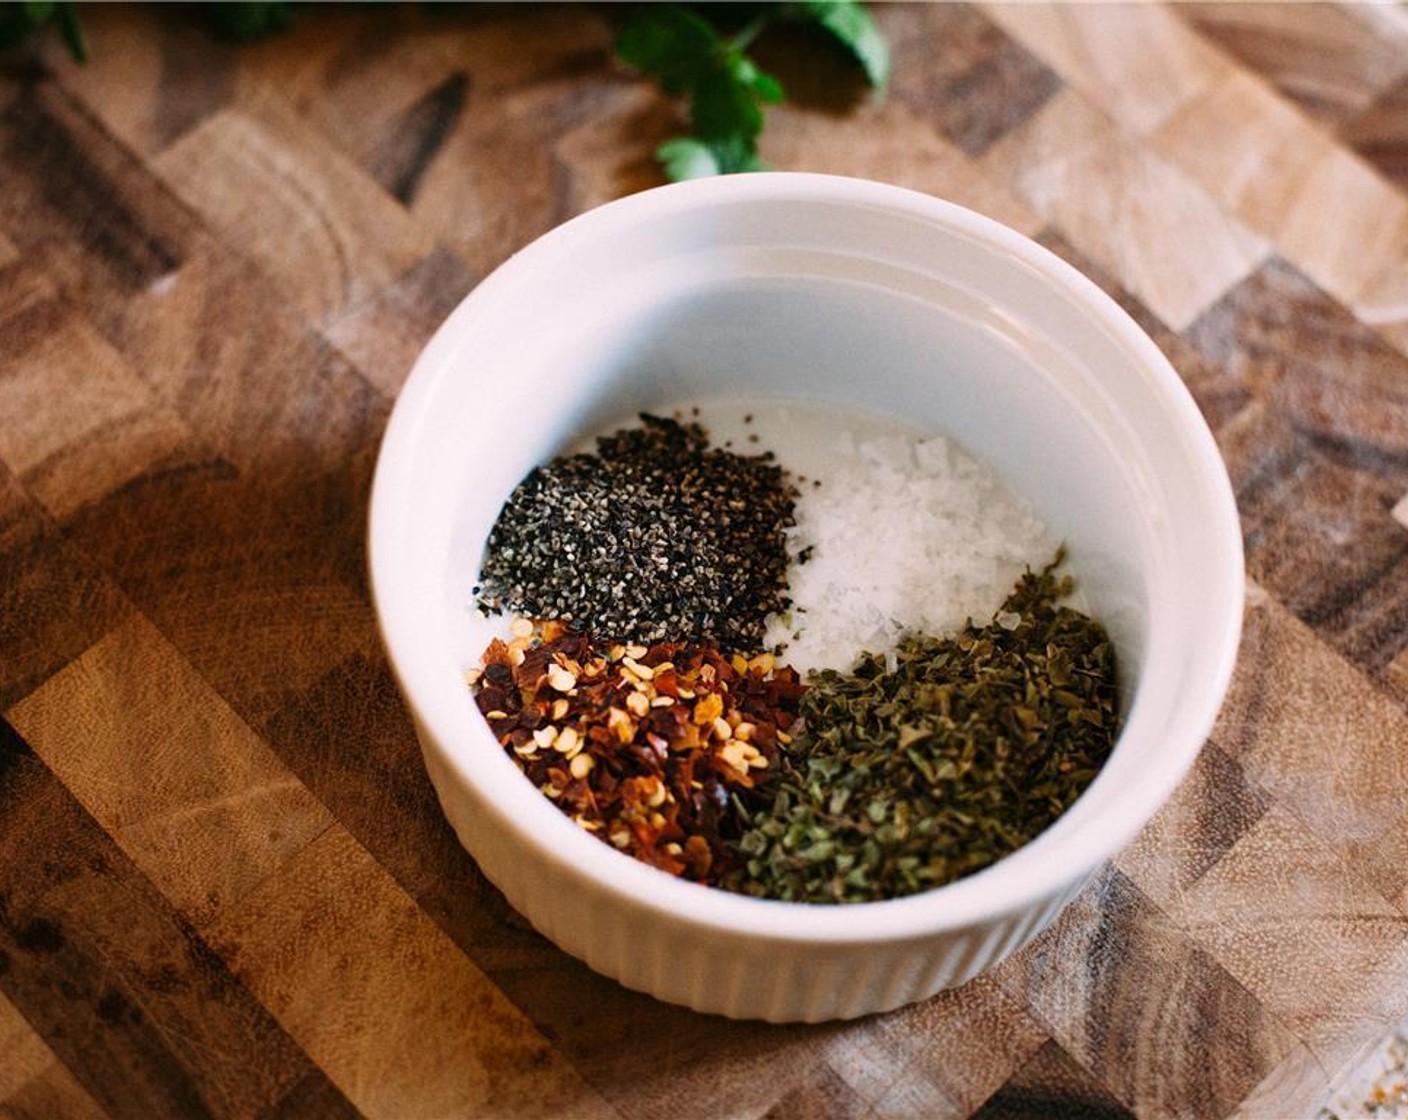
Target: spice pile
point(903, 781)
point(645, 746)
point(907, 536)
point(655, 535)
point(636, 693)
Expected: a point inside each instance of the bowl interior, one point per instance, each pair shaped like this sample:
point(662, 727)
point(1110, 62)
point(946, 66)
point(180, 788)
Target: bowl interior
point(883, 301)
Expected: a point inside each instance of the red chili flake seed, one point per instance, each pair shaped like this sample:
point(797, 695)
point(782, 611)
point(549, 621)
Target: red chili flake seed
point(656, 750)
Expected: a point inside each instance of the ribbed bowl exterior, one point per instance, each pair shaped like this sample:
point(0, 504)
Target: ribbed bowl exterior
point(724, 972)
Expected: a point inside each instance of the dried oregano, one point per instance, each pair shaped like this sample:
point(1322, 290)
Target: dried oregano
point(902, 781)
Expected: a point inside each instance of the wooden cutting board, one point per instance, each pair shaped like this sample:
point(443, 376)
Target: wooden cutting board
point(225, 886)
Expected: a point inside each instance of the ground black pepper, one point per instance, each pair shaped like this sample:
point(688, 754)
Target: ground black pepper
point(654, 536)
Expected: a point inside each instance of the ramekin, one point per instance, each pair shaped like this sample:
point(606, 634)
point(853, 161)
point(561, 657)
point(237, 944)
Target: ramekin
point(840, 290)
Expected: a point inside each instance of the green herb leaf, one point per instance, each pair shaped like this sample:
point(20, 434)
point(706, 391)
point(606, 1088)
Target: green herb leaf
point(687, 157)
point(19, 21)
point(670, 43)
point(761, 85)
point(725, 89)
point(244, 21)
point(66, 16)
point(722, 107)
point(854, 28)
point(737, 154)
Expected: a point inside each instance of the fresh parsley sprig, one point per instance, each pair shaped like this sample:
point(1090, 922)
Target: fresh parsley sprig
point(851, 26)
point(245, 21)
point(240, 21)
point(19, 21)
point(725, 89)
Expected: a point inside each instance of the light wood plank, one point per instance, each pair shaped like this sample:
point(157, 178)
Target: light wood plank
point(890, 143)
point(1319, 947)
point(1135, 61)
point(276, 191)
point(1324, 742)
point(394, 1013)
point(1136, 216)
point(1323, 207)
point(33, 1082)
point(79, 421)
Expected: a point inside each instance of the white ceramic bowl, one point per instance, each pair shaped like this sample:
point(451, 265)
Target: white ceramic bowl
point(840, 290)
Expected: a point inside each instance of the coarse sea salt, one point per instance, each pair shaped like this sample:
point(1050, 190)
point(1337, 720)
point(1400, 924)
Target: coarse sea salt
point(905, 535)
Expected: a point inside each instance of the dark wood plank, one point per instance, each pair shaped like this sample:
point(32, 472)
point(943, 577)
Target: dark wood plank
point(1219, 391)
point(1328, 60)
point(400, 159)
point(69, 200)
point(117, 983)
point(1380, 133)
point(1329, 375)
point(213, 337)
point(34, 1084)
point(1052, 1087)
point(961, 73)
point(1113, 963)
point(1321, 461)
point(53, 603)
point(243, 588)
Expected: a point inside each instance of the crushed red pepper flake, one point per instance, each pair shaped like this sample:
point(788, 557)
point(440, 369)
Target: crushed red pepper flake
point(657, 750)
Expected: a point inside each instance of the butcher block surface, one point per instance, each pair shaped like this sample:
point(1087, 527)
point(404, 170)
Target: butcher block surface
point(226, 888)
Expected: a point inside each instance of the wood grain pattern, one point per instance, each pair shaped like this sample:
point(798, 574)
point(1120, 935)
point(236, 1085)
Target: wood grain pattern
point(940, 1058)
point(1128, 210)
point(960, 73)
point(1305, 935)
point(136, 63)
point(1052, 1085)
point(1323, 57)
point(225, 885)
point(383, 335)
point(226, 834)
point(1137, 62)
point(1380, 133)
point(1328, 211)
point(903, 149)
point(273, 186)
point(1135, 963)
point(33, 1082)
point(53, 603)
point(1291, 697)
point(117, 983)
point(81, 422)
point(194, 797)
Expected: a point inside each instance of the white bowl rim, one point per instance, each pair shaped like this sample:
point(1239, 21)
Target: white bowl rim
point(437, 699)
